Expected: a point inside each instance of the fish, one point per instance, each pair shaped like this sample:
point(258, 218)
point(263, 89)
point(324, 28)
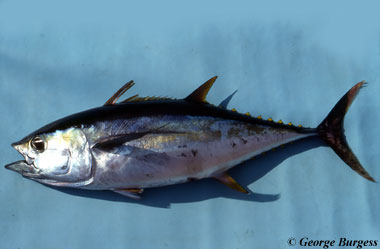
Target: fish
point(145, 142)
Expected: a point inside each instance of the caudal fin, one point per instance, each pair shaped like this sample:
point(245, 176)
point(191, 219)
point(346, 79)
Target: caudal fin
point(331, 131)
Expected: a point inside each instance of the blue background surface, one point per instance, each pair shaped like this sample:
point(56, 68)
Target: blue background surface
point(290, 60)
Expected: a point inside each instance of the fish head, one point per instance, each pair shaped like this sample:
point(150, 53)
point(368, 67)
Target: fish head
point(62, 157)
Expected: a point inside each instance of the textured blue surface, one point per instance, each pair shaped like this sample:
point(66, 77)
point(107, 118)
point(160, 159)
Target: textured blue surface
point(290, 60)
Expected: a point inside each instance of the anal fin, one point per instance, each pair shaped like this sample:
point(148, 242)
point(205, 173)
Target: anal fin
point(227, 180)
point(130, 192)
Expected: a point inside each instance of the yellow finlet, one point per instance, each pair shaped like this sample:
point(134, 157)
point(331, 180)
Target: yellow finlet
point(233, 109)
point(279, 121)
point(199, 95)
point(300, 126)
point(259, 117)
point(290, 123)
point(248, 114)
point(270, 119)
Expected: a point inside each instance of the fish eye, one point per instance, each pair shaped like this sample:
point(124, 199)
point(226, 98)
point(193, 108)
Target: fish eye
point(38, 144)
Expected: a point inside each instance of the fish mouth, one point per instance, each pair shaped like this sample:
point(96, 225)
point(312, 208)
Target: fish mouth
point(23, 167)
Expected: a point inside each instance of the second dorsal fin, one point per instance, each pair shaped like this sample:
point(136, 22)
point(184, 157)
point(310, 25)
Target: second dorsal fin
point(199, 95)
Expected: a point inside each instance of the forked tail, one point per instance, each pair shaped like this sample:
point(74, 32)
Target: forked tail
point(331, 131)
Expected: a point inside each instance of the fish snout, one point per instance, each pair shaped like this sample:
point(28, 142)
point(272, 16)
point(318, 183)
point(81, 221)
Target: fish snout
point(16, 146)
point(22, 166)
point(23, 148)
point(19, 146)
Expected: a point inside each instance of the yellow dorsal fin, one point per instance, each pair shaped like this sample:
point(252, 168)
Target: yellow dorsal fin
point(199, 95)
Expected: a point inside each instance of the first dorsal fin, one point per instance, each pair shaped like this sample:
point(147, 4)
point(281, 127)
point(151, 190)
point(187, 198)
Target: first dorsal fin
point(119, 93)
point(130, 99)
point(199, 95)
point(136, 98)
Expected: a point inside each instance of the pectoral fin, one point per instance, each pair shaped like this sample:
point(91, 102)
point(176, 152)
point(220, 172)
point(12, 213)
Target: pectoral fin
point(230, 182)
point(225, 102)
point(130, 192)
point(110, 142)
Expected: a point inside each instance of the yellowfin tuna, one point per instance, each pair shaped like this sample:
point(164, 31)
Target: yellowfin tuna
point(147, 142)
